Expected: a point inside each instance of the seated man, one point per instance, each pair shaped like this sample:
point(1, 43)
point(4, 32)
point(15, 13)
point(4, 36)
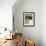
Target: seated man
point(18, 39)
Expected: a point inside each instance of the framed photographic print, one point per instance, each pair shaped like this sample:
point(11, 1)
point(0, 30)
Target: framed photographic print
point(28, 19)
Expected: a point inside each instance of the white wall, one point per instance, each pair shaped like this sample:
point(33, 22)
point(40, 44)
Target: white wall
point(6, 13)
point(32, 33)
point(43, 22)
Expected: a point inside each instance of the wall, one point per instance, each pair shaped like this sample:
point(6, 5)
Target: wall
point(43, 22)
point(32, 33)
point(6, 13)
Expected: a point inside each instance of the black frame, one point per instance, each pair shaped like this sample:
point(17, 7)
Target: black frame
point(33, 19)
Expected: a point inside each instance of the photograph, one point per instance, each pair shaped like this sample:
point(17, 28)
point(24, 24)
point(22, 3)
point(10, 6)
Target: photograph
point(28, 19)
point(22, 22)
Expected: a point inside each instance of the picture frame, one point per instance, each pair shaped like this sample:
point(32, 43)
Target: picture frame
point(28, 19)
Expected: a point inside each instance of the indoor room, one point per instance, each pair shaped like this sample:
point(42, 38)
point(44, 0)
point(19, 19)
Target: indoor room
point(22, 22)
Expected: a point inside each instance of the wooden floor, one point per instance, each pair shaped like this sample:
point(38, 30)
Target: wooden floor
point(9, 43)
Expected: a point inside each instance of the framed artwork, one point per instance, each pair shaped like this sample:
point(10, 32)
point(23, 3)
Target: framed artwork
point(28, 19)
